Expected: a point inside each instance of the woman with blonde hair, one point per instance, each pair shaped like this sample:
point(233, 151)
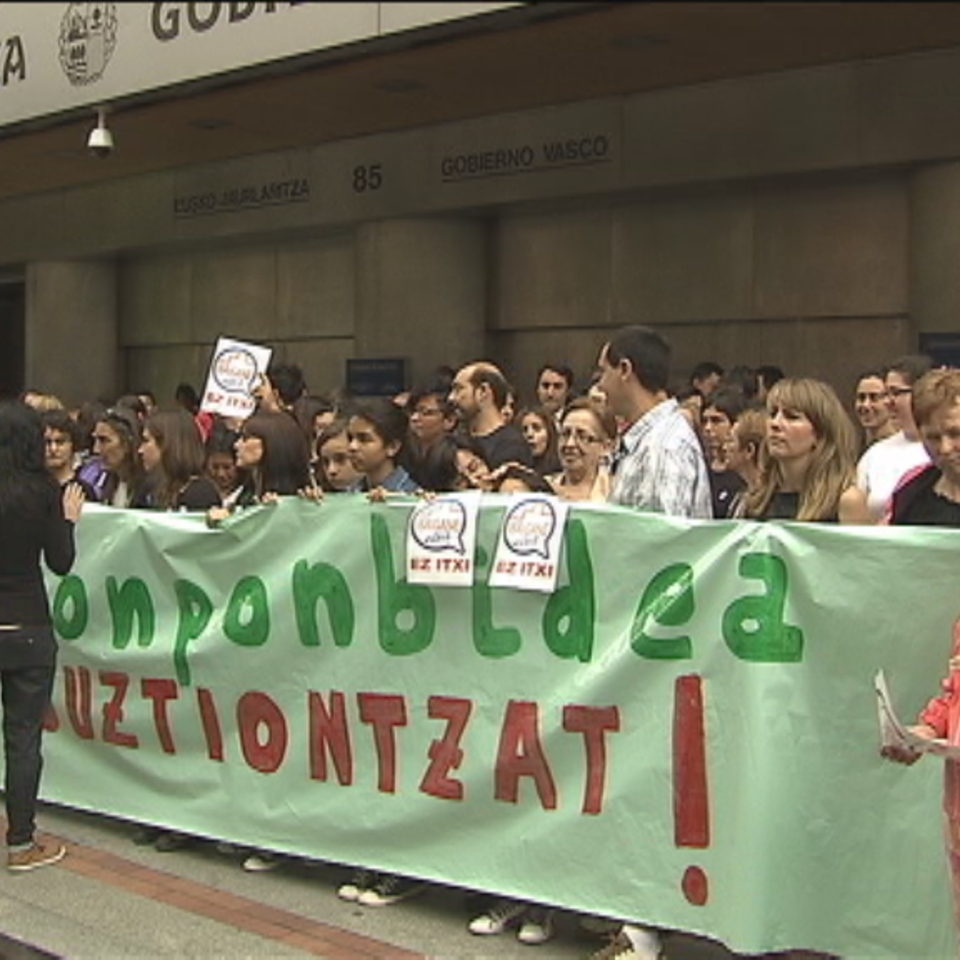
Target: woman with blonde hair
point(808, 463)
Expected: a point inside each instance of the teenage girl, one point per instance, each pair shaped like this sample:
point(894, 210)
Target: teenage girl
point(334, 470)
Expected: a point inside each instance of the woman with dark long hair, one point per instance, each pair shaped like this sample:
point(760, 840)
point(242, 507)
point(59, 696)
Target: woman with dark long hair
point(274, 452)
point(36, 523)
point(116, 441)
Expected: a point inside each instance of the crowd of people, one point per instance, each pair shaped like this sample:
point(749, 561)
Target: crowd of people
point(738, 444)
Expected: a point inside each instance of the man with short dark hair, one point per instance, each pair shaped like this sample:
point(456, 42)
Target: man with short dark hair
point(661, 467)
point(479, 393)
point(767, 375)
point(554, 386)
point(281, 387)
point(705, 377)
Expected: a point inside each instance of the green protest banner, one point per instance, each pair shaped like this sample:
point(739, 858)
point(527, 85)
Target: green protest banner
point(683, 733)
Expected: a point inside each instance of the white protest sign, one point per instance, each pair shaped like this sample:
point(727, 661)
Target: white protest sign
point(441, 537)
point(528, 550)
point(235, 371)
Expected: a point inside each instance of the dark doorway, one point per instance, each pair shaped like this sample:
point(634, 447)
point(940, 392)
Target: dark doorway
point(13, 312)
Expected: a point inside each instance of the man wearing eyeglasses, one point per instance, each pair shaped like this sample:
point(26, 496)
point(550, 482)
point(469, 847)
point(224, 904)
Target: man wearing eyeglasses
point(884, 463)
point(661, 467)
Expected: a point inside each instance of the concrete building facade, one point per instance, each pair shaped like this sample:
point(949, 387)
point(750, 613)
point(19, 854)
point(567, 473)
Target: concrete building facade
point(805, 217)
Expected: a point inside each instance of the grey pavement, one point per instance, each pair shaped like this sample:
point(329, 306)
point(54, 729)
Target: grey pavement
point(69, 914)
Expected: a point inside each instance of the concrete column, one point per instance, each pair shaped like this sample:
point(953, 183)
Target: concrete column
point(935, 248)
point(421, 292)
point(72, 347)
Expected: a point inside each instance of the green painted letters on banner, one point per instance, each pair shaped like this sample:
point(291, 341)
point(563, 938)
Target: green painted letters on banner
point(277, 683)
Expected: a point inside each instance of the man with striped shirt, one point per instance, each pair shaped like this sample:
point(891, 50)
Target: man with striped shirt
point(660, 466)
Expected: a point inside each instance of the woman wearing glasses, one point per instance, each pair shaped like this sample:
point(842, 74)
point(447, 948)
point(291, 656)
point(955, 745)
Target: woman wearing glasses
point(587, 435)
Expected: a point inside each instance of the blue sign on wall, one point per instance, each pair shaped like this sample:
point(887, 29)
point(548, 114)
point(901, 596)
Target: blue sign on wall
point(942, 347)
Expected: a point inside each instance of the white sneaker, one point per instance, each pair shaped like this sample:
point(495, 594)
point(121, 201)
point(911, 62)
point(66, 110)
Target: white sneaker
point(622, 946)
point(537, 926)
point(261, 862)
point(388, 889)
point(359, 881)
point(646, 941)
point(500, 916)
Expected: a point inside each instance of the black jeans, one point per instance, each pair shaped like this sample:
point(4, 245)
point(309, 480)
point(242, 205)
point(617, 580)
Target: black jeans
point(25, 693)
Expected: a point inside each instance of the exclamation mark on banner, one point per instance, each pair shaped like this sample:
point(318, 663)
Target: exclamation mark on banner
point(691, 802)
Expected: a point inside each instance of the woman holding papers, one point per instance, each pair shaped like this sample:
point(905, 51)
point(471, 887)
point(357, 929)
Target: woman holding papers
point(940, 720)
point(930, 496)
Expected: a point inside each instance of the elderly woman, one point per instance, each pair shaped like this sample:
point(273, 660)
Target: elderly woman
point(588, 432)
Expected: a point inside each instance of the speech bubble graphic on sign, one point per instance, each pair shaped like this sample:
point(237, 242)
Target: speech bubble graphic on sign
point(235, 370)
point(528, 527)
point(528, 549)
point(440, 525)
point(441, 540)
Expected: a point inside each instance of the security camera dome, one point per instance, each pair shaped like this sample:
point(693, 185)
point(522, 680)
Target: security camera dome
point(100, 141)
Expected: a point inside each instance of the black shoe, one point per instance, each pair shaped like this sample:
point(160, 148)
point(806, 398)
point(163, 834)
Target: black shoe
point(143, 835)
point(168, 842)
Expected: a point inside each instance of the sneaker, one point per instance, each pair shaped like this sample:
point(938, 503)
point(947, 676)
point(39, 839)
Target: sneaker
point(262, 862)
point(169, 842)
point(35, 856)
point(388, 889)
point(360, 881)
point(537, 926)
point(621, 947)
point(498, 917)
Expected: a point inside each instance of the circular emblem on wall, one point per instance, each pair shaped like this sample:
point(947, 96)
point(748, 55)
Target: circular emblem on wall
point(88, 34)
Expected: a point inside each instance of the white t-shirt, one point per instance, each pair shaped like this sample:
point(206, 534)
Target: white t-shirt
point(883, 464)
